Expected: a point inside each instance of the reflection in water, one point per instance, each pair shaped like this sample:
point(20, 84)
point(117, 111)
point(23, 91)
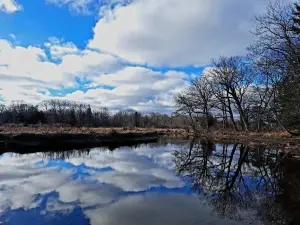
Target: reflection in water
point(139, 185)
point(253, 185)
point(98, 186)
point(162, 142)
point(66, 154)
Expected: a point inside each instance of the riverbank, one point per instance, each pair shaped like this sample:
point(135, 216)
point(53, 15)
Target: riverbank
point(31, 138)
point(54, 129)
point(280, 140)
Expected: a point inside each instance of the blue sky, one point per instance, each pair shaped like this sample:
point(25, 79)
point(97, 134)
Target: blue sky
point(39, 20)
point(115, 53)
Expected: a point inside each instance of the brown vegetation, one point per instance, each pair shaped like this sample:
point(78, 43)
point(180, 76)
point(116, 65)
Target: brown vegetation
point(82, 137)
point(56, 128)
point(48, 138)
point(278, 139)
point(220, 134)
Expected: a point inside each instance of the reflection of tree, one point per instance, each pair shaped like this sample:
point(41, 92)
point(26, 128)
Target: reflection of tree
point(195, 161)
point(237, 179)
point(66, 154)
point(169, 140)
point(290, 186)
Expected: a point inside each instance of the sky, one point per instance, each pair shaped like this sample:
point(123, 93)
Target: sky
point(119, 54)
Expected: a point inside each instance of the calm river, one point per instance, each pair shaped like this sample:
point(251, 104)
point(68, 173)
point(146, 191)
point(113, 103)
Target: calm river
point(166, 183)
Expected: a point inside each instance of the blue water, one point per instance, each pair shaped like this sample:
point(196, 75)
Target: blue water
point(126, 186)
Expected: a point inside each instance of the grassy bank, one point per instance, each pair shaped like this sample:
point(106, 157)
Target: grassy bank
point(62, 137)
point(44, 129)
point(218, 135)
point(282, 140)
point(33, 139)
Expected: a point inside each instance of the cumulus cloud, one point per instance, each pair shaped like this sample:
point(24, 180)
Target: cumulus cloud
point(26, 73)
point(89, 63)
point(138, 75)
point(126, 97)
point(176, 32)
point(136, 87)
point(76, 6)
point(30, 62)
point(58, 48)
point(9, 6)
point(141, 88)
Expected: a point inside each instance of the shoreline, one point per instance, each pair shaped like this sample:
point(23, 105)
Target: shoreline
point(29, 142)
point(32, 139)
point(278, 140)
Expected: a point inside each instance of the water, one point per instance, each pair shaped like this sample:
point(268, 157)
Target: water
point(171, 182)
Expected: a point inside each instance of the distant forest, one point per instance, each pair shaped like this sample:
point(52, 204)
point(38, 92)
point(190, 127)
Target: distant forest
point(77, 114)
point(256, 92)
point(260, 91)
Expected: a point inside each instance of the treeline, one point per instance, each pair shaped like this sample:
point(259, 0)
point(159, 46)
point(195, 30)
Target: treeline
point(259, 91)
point(78, 114)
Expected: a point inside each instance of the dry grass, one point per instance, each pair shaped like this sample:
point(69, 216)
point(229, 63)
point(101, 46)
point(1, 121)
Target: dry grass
point(46, 129)
point(281, 138)
point(59, 128)
point(251, 134)
point(216, 134)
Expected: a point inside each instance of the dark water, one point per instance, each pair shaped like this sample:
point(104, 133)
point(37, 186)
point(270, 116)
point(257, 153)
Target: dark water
point(171, 182)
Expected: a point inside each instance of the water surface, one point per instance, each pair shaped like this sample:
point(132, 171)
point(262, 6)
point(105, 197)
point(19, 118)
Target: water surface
point(171, 182)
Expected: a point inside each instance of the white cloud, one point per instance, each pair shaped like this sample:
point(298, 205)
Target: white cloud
point(9, 6)
point(24, 71)
point(30, 62)
point(89, 63)
point(176, 32)
point(77, 6)
point(27, 72)
point(134, 87)
point(138, 75)
point(58, 49)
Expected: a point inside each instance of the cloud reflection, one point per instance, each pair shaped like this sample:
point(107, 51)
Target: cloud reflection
point(99, 187)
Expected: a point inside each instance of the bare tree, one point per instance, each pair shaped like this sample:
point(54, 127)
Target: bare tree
point(276, 53)
point(185, 106)
point(222, 100)
point(202, 98)
point(232, 78)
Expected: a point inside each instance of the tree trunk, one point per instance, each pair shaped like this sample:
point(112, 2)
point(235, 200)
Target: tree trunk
point(241, 112)
point(286, 129)
point(231, 115)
